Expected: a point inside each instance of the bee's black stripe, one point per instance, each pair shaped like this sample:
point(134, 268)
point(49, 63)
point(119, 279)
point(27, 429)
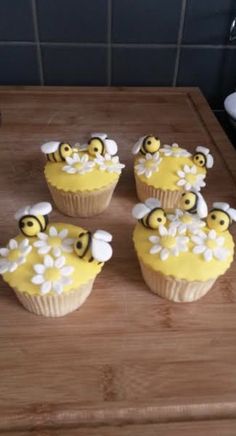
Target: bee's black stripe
point(89, 243)
point(59, 151)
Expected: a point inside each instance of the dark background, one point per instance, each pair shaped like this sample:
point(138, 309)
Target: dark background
point(119, 42)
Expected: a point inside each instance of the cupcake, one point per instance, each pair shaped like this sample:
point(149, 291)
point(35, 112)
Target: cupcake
point(52, 268)
point(183, 252)
point(82, 180)
point(164, 172)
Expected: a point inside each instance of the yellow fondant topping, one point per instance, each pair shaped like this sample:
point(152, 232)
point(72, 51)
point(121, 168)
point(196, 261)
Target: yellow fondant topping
point(89, 181)
point(166, 176)
point(83, 271)
point(187, 265)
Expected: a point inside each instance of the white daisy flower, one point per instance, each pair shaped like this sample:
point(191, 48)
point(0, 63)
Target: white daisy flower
point(14, 255)
point(78, 164)
point(174, 150)
point(55, 241)
point(109, 163)
point(190, 179)
point(185, 221)
point(148, 164)
point(210, 245)
point(168, 243)
point(52, 275)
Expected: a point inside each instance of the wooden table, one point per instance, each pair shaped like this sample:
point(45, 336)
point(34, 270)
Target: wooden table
point(128, 362)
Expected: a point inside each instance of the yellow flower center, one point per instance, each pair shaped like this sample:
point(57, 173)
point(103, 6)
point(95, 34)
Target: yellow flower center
point(191, 178)
point(168, 241)
point(78, 166)
point(149, 164)
point(211, 244)
point(13, 255)
point(52, 274)
point(186, 219)
point(54, 241)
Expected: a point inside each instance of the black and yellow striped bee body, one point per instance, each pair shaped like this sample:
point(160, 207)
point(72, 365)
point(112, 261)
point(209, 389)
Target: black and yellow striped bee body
point(57, 151)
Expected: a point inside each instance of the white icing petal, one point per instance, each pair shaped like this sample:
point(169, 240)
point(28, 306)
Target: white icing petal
point(164, 254)
point(63, 234)
point(46, 287)
point(24, 244)
point(155, 249)
point(3, 267)
point(58, 287)
point(44, 250)
point(48, 261)
point(181, 182)
point(53, 231)
point(60, 262)
point(207, 255)
point(39, 268)
point(162, 230)
point(198, 249)
point(196, 239)
point(154, 239)
point(56, 251)
point(12, 267)
point(42, 236)
point(13, 244)
point(212, 234)
point(4, 252)
point(37, 280)
point(67, 270)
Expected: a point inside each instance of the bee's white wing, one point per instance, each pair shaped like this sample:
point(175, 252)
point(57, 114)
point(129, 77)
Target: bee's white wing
point(221, 205)
point(202, 209)
point(82, 147)
point(232, 213)
point(22, 212)
point(43, 208)
point(50, 147)
point(101, 251)
point(138, 145)
point(203, 150)
point(102, 136)
point(111, 146)
point(140, 210)
point(210, 161)
point(152, 203)
point(102, 235)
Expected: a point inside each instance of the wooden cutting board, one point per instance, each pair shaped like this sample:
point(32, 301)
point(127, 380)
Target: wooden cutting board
point(127, 359)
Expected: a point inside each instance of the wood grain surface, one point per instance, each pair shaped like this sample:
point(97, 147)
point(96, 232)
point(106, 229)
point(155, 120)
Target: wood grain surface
point(127, 359)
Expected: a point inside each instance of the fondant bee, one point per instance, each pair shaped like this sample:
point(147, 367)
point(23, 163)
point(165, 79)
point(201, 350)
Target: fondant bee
point(203, 158)
point(33, 219)
point(193, 202)
point(221, 217)
point(146, 144)
point(57, 151)
point(94, 246)
point(150, 213)
point(101, 144)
